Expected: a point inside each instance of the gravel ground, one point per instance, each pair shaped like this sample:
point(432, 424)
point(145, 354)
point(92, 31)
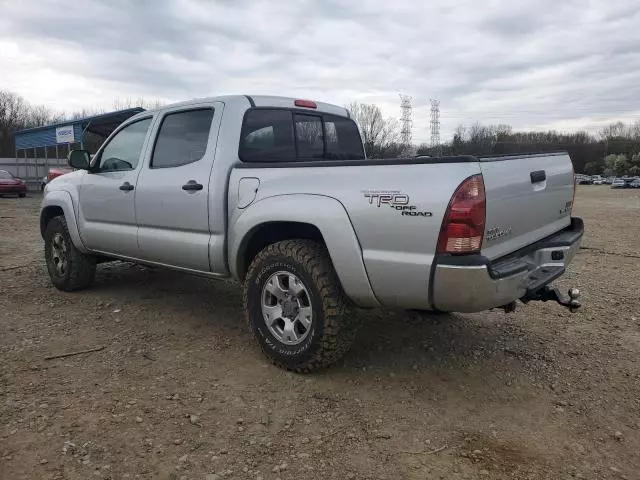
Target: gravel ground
point(180, 392)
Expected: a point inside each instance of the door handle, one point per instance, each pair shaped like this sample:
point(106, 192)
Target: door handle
point(192, 186)
point(126, 186)
point(538, 176)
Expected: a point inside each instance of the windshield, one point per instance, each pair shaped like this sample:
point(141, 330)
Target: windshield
point(4, 175)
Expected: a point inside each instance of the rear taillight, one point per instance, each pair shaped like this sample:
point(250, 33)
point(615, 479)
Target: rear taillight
point(463, 224)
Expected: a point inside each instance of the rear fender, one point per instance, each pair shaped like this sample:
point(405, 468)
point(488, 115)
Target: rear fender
point(62, 199)
point(328, 216)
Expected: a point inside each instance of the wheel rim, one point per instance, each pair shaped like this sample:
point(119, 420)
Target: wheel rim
point(286, 308)
point(59, 254)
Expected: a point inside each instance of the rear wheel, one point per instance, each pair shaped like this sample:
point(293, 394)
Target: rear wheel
point(296, 308)
point(68, 267)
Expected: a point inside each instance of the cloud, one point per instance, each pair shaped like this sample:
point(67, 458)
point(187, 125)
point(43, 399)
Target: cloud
point(533, 64)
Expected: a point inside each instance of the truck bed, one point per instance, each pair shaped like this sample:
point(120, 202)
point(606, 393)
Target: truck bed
point(396, 207)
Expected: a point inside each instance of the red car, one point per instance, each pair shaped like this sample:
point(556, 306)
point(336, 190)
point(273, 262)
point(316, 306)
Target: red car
point(11, 184)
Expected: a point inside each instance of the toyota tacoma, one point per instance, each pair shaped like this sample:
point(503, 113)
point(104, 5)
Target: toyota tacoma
point(277, 193)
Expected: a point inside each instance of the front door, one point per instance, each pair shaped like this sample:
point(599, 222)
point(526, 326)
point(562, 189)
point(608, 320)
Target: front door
point(173, 190)
point(107, 216)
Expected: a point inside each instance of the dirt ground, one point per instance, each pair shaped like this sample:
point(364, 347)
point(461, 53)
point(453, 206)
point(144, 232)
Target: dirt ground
point(180, 391)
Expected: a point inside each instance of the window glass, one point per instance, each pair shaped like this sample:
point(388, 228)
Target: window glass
point(123, 151)
point(182, 138)
point(309, 136)
point(261, 138)
point(267, 136)
point(343, 139)
point(4, 175)
point(331, 134)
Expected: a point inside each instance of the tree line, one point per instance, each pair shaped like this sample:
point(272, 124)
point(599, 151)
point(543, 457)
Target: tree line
point(615, 150)
point(17, 114)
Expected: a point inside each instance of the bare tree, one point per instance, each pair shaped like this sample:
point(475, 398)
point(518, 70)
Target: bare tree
point(16, 114)
point(13, 109)
point(40, 115)
point(634, 130)
point(380, 136)
point(617, 129)
point(84, 113)
point(128, 102)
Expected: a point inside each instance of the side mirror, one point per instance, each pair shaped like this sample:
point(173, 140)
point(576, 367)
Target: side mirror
point(79, 159)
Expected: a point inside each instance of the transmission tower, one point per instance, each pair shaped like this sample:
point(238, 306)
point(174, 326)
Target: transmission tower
point(406, 121)
point(435, 125)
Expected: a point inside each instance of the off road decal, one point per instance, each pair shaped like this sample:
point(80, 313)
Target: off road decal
point(395, 199)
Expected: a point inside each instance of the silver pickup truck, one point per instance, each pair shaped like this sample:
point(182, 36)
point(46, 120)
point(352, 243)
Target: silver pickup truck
point(277, 194)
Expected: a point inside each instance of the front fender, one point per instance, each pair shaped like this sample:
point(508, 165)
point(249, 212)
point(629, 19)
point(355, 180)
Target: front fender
point(325, 213)
point(62, 199)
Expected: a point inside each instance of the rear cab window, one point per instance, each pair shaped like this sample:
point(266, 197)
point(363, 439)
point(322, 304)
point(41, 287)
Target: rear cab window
point(285, 135)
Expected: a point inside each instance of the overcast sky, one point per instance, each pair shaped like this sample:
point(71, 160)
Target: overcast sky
point(533, 64)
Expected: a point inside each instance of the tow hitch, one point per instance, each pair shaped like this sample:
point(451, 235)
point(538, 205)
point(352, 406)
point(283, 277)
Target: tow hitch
point(547, 293)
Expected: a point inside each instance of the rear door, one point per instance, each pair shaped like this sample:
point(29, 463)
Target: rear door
point(529, 197)
point(106, 215)
point(173, 190)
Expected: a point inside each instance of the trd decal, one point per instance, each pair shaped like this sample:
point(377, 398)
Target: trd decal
point(395, 199)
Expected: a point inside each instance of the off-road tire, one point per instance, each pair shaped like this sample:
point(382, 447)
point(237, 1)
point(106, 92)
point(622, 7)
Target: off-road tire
point(334, 326)
point(81, 269)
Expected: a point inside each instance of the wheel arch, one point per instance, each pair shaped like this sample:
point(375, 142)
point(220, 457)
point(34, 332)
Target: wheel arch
point(59, 203)
point(267, 233)
point(313, 217)
point(47, 213)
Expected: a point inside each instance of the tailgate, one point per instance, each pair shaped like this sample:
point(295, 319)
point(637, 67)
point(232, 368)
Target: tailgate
point(529, 197)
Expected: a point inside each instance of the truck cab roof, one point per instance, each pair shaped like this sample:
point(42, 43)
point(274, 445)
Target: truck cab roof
point(257, 101)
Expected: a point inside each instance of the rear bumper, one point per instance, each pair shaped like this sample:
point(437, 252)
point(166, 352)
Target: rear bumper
point(473, 283)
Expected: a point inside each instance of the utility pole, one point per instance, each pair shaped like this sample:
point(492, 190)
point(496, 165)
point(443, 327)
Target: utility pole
point(406, 121)
point(435, 127)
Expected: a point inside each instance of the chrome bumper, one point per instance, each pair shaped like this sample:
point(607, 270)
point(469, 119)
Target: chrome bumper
point(473, 283)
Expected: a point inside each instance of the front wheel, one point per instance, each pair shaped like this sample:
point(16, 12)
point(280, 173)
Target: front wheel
point(296, 307)
point(68, 267)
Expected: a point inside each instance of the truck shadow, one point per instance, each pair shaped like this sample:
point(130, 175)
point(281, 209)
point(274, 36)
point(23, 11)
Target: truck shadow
point(465, 340)
point(389, 341)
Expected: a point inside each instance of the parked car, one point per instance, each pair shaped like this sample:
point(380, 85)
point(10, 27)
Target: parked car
point(277, 194)
point(597, 181)
point(54, 172)
point(620, 183)
point(635, 183)
point(609, 180)
point(10, 184)
point(584, 180)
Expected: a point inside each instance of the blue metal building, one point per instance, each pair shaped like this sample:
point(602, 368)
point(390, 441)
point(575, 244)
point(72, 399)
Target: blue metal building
point(39, 148)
